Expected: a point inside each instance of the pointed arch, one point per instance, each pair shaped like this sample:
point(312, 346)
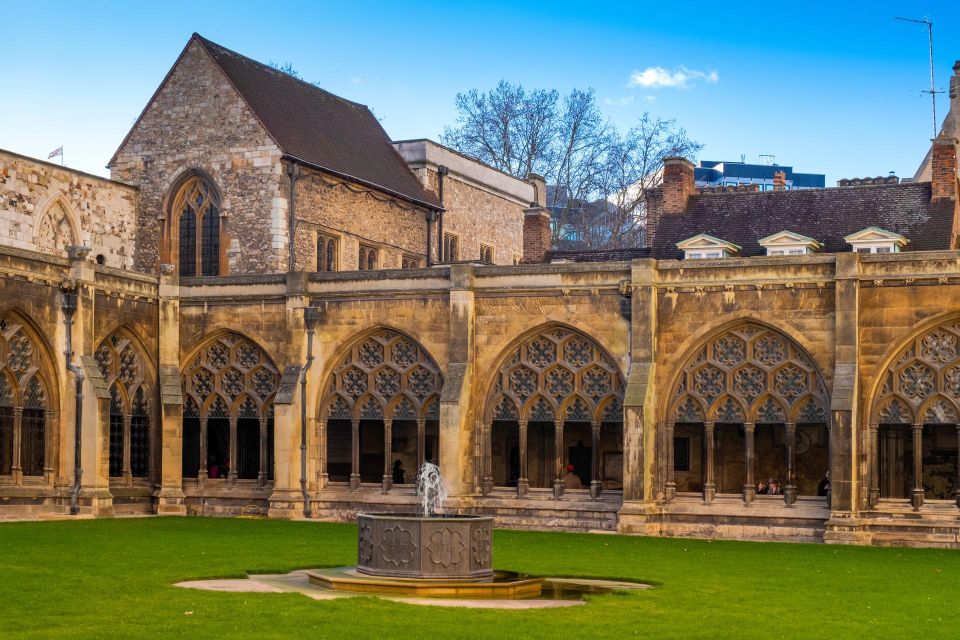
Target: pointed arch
point(56, 227)
point(749, 361)
point(192, 235)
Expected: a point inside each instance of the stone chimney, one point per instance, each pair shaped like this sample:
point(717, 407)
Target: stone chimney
point(678, 185)
point(537, 237)
point(780, 180)
point(943, 174)
point(539, 189)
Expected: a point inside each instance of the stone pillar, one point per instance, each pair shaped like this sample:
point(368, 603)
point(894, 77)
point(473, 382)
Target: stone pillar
point(916, 495)
point(323, 476)
point(487, 485)
point(790, 491)
point(17, 469)
point(596, 487)
point(421, 442)
point(232, 472)
point(262, 472)
point(170, 499)
point(709, 488)
point(957, 485)
point(523, 485)
point(456, 422)
point(749, 487)
point(95, 422)
point(354, 454)
point(670, 486)
point(846, 460)
point(874, 452)
point(127, 471)
point(559, 466)
point(202, 473)
point(387, 481)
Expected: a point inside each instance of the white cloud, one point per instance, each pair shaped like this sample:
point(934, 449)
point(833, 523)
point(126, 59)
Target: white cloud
point(679, 78)
point(619, 102)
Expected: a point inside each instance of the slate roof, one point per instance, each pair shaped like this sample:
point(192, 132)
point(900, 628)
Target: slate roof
point(601, 255)
point(827, 215)
point(318, 128)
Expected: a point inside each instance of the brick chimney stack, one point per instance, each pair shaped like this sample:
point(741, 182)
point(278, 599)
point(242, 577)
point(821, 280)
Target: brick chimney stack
point(943, 175)
point(780, 180)
point(537, 234)
point(678, 185)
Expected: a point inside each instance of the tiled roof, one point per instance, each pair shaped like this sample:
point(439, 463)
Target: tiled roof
point(319, 128)
point(602, 255)
point(827, 215)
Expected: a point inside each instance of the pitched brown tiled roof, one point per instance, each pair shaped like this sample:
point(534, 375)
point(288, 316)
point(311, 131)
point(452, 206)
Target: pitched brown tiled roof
point(826, 215)
point(599, 255)
point(319, 128)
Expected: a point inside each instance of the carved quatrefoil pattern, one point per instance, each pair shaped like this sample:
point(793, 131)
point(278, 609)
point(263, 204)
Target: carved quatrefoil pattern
point(231, 376)
point(923, 383)
point(120, 363)
point(557, 374)
point(20, 367)
point(750, 373)
point(385, 375)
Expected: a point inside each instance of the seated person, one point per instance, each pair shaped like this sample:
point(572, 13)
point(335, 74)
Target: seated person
point(571, 480)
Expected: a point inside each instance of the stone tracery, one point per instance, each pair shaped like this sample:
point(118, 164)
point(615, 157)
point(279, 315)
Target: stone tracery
point(556, 376)
point(385, 378)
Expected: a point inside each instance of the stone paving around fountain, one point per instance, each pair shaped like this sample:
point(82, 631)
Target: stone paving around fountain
point(298, 582)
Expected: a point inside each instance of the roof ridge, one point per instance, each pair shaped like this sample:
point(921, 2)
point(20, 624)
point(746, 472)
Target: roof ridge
point(206, 42)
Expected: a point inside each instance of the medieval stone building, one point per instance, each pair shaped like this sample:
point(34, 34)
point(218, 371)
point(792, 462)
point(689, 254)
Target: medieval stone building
point(273, 308)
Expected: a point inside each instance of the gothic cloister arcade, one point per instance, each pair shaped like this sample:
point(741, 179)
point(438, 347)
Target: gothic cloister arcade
point(556, 400)
point(28, 405)
point(748, 414)
point(915, 426)
point(229, 384)
point(133, 435)
point(380, 405)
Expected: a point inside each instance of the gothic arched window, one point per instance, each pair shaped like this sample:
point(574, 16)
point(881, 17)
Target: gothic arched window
point(196, 208)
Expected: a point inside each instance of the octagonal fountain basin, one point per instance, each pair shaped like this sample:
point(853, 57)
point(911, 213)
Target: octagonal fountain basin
point(432, 548)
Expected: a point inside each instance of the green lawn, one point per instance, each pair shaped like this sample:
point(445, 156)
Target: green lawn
point(112, 578)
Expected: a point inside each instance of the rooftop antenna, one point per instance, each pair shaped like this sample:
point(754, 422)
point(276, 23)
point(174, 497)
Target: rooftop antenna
point(767, 158)
point(933, 90)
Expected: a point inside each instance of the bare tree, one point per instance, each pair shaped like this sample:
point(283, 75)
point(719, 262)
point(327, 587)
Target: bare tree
point(598, 176)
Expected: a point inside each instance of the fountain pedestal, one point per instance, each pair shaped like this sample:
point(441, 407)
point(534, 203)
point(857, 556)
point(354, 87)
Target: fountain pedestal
point(407, 546)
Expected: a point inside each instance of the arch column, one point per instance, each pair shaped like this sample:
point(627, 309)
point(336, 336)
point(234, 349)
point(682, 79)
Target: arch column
point(487, 484)
point(323, 476)
point(232, 472)
point(916, 495)
point(709, 486)
point(790, 490)
point(262, 472)
point(354, 454)
point(749, 487)
point(873, 494)
point(421, 442)
point(670, 485)
point(559, 467)
point(16, 468)
point(127, 472)
point(596, 487)
point(523, 484)
point(202, 472)
point(387, 482)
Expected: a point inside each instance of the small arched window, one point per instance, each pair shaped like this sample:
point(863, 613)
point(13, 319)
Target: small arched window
point(196, 208)
point(326, 253)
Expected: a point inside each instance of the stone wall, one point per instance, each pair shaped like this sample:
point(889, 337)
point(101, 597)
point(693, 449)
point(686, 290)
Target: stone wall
point(196, 120)
point(45, 207)
point(354, 214)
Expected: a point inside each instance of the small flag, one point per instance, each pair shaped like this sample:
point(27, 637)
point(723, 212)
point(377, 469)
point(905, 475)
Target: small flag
point(56, 152)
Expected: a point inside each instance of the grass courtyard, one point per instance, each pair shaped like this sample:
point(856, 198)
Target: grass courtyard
point(112, 579)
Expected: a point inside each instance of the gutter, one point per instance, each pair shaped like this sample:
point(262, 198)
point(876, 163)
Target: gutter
point(293, 172)
point(310, 316)
point(442, 171)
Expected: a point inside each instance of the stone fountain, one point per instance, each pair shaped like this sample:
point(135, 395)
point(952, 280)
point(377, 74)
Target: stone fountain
point(428, 554)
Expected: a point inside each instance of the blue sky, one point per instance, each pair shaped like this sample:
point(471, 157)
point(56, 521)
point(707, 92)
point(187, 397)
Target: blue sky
point(826, 87)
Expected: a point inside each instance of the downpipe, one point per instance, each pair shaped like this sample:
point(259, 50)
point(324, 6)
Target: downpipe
point(69, 306)
point(310, 316)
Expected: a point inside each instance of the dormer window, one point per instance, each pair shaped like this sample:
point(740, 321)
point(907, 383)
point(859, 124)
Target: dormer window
point(788, 243)
point(876, 240)
point(705, 246)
